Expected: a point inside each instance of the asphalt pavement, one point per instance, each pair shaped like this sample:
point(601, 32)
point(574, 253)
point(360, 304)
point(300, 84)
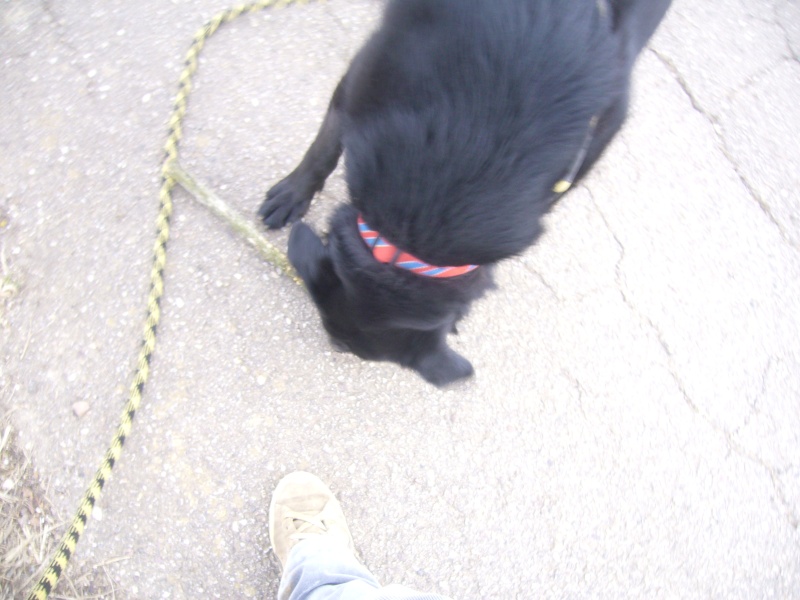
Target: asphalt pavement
point(633, 427)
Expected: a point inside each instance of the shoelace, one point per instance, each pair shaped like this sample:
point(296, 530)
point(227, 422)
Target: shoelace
point(308, 524)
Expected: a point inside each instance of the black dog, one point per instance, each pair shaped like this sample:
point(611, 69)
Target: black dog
point(461, 121)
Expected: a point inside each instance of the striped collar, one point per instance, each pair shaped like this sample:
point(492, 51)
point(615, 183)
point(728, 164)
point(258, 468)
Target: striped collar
point(385, 252)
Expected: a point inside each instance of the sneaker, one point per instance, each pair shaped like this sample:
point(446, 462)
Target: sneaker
point(303, 506)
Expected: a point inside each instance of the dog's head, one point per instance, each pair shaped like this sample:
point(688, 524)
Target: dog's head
point(378, 311)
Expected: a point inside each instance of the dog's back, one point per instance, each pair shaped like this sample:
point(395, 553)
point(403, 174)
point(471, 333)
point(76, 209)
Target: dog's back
point(464, 113)
point(461, 121)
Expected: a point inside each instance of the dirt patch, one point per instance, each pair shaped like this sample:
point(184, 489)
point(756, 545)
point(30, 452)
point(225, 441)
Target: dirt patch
point(9, 283)
point(30, 530)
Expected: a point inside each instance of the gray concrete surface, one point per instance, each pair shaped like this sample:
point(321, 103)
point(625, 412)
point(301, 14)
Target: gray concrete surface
point(633, 428)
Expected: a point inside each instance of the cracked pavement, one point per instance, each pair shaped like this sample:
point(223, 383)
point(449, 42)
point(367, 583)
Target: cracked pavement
point(633, 429)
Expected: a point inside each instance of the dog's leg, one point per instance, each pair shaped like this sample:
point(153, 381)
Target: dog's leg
point(289, 199)
point(442, 365)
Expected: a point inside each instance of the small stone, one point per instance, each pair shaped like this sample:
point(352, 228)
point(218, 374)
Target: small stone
point(80, 408)
point(8, 485)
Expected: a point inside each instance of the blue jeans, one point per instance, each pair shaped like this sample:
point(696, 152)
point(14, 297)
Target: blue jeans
point(319, 570)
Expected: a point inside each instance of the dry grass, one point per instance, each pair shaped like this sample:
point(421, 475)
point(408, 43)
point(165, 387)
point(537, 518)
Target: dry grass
point(8, 285)
point(26, 518)
point(29, 532)
point(29, 528)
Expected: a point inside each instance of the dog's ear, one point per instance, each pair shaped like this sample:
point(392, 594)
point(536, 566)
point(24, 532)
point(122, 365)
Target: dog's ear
point(311, 258)
point(443, 365)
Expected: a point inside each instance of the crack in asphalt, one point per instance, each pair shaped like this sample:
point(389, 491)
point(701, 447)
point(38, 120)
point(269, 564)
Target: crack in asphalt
point(784, 505)
point(794, 54)
point(753, 402)
point(617, 241)
point(343, 28)
point(719, 131)
point(76, 64)
point(543, 281)
point(579, 389)
point(754, 78)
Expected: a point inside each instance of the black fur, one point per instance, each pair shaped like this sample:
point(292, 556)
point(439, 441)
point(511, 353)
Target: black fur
point(456, 119)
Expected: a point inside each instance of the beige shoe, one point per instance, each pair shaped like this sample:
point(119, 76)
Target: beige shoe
point(303, 507)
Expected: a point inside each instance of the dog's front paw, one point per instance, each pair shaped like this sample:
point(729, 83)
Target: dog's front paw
point(443, 366)
point(286, 202)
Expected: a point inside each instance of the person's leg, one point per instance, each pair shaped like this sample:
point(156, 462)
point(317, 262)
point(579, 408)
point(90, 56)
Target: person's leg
point(323, 570)
point(310, 537)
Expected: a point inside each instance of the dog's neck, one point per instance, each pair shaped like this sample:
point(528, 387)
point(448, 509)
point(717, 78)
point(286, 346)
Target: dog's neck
point(386, 252)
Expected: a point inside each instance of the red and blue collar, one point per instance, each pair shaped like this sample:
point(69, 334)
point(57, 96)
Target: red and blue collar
point(386, 252)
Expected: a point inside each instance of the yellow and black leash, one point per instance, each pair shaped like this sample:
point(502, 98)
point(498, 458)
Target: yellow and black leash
point(68, 543)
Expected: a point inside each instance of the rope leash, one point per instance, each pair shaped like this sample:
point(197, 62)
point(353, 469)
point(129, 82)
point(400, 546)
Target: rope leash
point(69, 541)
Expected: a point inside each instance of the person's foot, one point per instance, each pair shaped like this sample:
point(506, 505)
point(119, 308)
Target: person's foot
point(303, 506)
